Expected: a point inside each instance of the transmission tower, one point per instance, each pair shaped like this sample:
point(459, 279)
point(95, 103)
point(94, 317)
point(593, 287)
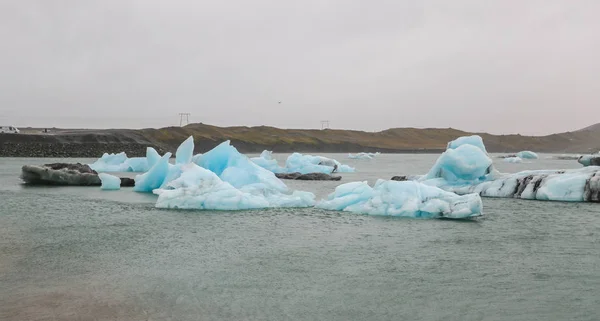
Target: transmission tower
point(324, 124)
point(183, 116)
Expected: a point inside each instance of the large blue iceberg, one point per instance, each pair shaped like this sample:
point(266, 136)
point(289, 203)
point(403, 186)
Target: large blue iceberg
point(303, 164)
point(121, 163)
point(407, 199)
point(220, 179)
point(465, 168)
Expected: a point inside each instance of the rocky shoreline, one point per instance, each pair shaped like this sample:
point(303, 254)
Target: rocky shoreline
point(71, 150)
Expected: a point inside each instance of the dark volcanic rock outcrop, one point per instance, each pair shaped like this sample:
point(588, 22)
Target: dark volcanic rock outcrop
point(308, 177)
point(60, 174)
point(64, 174)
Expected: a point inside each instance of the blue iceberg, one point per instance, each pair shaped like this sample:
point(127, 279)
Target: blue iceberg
point(155, 177)
point(303, 164)
point(121, 163)
point(526, 154)
point(200, 188)
point(589, 160)
point(220, 179)
point(406, 199)
point(266, 161)
point(109, 182)
point(464, 170)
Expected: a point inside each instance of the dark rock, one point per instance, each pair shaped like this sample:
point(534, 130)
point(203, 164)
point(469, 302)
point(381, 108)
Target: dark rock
point(60, 174)
point(595, 161)
point(127, 182)
point(399, 178)
point(308, 177)
point(65, 174)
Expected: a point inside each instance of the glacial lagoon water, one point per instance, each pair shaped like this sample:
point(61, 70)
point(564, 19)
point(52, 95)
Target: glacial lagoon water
point(79, 253)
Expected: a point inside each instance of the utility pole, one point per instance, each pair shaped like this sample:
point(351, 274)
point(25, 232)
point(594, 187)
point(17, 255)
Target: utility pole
point(324, 124)
point(182, 116)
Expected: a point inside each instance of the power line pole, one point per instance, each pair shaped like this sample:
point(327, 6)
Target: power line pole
point(187, 118)
point(324, 124)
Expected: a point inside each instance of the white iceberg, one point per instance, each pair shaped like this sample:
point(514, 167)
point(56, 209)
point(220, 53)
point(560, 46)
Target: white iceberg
point(466, 170)
point(109, 182)
point(513, 160)
point(121, 163)
point(199, 188)
point(361, 156)
point(407, 199)
point(303, 164)
point(220, 179)
point(526, 154)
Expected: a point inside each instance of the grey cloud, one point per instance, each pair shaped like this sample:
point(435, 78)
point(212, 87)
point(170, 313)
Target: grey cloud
point(500, 66)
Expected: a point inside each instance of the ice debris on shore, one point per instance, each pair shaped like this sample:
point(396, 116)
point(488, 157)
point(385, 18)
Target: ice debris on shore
point(109, 182)
point(121, 163)
point(299, 163)
point(220, 179)
point(406, 199)
point(466, 168)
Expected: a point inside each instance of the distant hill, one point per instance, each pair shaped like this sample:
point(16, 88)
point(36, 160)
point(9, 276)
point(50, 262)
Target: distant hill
point(256, 139)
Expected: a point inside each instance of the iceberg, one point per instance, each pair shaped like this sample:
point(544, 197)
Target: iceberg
point(464, 170)
point(361, 156)
point(109, 182)
point(121, 163)
point(220, 179)
point(266, 161)
point(513, 160)
point(527, 155)
point(155, 177)
point(199, 188)
point(406, 199)
point(589, 160)
point(298, 163)
point(304, 164)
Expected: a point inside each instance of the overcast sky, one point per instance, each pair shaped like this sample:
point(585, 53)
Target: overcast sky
point(501, 66)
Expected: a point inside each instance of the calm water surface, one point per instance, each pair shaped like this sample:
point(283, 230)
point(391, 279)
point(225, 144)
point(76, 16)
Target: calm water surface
point(86, 254)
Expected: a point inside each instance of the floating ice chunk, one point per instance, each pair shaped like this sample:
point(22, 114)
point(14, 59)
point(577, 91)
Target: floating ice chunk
point(155, 177)
point(266, 161)
point(462, 162)
point(361, 156)
point(109, 182)
point(408, 199)
point(589, 160)
point(152, 157)
point(527, 155)
point(199, 188)
point(237, 169)
point(305, 164)
point(453, 173)
point(185, 151)
point(120, 163)
point(513, 160)
point(474, 140)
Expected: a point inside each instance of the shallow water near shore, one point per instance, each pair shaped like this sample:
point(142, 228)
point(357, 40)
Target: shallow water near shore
point(79, 253)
